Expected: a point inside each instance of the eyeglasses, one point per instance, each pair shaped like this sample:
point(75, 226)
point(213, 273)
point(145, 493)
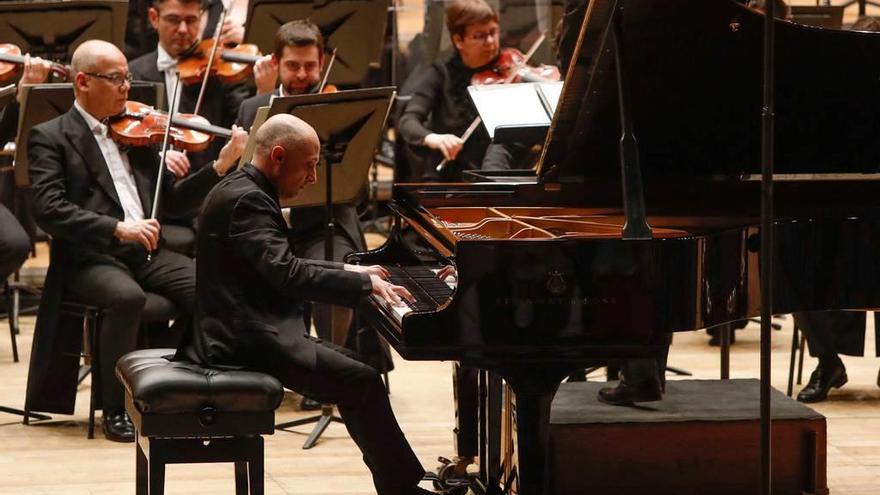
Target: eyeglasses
point(176, 20)
point(482, 37)
point(115, 79)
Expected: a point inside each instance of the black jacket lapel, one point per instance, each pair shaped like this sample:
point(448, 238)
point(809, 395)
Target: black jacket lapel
point(83, 141)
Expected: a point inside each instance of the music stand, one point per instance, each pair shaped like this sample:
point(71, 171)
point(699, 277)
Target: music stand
point(54, 29)
point(356, 28)
point(526, 122)
point(349, 124)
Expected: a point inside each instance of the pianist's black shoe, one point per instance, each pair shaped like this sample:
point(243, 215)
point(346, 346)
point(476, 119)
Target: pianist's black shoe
point(117, 426)
point(824, 377)
point(626, 393)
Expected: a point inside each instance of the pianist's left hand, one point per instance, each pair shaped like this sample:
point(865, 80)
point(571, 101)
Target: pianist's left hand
point(377, 270)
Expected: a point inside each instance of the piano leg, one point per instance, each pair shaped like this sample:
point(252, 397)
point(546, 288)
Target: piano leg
point(534, 390)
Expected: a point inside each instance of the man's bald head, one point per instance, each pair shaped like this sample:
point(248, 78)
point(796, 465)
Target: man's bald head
point(90, 56)
point(286, 150)
point(283, 130)
point(99, 78)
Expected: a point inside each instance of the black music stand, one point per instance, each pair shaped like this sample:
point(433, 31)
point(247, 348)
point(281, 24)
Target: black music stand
point(355, 28)
point(54, 29)
point(349, 124)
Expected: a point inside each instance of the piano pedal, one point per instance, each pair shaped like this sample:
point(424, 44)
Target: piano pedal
point(452, 477)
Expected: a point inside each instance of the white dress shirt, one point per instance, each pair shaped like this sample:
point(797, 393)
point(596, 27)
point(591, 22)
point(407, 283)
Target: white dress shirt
point(117, 163)
point(168, 66)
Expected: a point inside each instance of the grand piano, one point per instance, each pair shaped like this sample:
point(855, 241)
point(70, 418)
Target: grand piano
point(559, 270)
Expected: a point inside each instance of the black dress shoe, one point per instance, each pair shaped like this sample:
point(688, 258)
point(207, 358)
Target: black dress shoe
point(307, 404)
point(626, 393)
point(118, 427)
point(821, 382)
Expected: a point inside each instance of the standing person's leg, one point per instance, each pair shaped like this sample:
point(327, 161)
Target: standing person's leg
point(326, 373)
point(819, 328)
point(112, 288)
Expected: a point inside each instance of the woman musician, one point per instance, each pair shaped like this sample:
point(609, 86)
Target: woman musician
point(440, 110)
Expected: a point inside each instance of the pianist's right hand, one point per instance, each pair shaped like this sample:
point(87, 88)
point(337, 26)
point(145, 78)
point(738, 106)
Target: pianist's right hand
point(391, 293)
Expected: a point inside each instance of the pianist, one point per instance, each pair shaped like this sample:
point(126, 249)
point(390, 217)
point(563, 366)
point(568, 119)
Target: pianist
point(249, 285)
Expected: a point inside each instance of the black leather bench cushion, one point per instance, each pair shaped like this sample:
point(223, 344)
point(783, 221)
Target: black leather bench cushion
point(160, 386)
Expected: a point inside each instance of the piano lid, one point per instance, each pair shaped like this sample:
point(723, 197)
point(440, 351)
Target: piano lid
point(695, 74)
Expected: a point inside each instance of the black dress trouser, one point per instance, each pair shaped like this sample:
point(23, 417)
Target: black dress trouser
point(118, 289)
point(331, 374)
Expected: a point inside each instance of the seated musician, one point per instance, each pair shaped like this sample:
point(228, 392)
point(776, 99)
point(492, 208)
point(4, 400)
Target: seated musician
point(298, 62)
point(177, 24)
point(441, 110)
point(15, 244)
point(250, 317)
point(94, 198)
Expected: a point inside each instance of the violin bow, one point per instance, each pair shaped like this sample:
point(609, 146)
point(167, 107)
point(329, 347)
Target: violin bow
point(327, 72)
point(214, 48)
point(154, 211)
point(510, 77)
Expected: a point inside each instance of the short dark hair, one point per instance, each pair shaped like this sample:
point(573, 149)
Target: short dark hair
point(158, 3)
point(462, 13)
point(301, 32)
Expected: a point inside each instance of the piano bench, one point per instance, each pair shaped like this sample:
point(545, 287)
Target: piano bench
point(185, 413)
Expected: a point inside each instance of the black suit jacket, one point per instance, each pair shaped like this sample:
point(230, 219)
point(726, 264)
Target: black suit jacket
point(221, 101)
point(309, 222)
point(248, 277)
point(75, 201)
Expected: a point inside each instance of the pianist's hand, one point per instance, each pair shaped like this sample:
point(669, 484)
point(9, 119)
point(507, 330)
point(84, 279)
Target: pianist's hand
point(379, 270)
point(447, 271)
point(448, 144)
point(391, 293)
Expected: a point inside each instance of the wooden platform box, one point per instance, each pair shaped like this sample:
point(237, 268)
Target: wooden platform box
point(703, 438)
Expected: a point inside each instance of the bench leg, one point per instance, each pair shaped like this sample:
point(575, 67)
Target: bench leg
point(157, 476)
point(255, 467)
point(142, 482)
point(241, 478)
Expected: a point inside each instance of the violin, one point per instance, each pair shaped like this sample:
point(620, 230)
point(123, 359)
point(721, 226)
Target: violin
point(231, 65)
point(510, 67)
point(142, 125)
point(11, 59)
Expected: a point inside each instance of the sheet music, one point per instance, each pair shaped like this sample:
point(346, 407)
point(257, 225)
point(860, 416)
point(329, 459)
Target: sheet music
point(513, 105)
point(552, 91)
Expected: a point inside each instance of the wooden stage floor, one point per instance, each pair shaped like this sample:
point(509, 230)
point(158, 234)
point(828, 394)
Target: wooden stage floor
point(54, 457)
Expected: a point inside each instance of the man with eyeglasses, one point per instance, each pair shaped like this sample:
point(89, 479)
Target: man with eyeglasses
point(177, 23)
point(94, 198)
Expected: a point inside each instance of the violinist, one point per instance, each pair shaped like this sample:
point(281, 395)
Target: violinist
point(441, 110)
point(298, 62)
point(94, 198)
point(177, 23)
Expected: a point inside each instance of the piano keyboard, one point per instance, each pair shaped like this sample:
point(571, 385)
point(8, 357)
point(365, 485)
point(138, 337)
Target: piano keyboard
point(422, 282)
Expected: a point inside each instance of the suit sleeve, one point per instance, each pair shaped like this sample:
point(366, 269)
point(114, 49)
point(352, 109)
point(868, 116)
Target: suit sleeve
point(233, 96)
point(183, 197)
point(256, 235)
point(54, 213)
point(9, 122)
point(415, 114)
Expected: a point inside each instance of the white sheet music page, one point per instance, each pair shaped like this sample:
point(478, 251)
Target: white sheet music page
point(509, 105)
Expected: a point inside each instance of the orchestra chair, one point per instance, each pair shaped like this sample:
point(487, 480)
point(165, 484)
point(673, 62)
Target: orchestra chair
point(158, 311)
point(798, 342)
point(184, 413)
